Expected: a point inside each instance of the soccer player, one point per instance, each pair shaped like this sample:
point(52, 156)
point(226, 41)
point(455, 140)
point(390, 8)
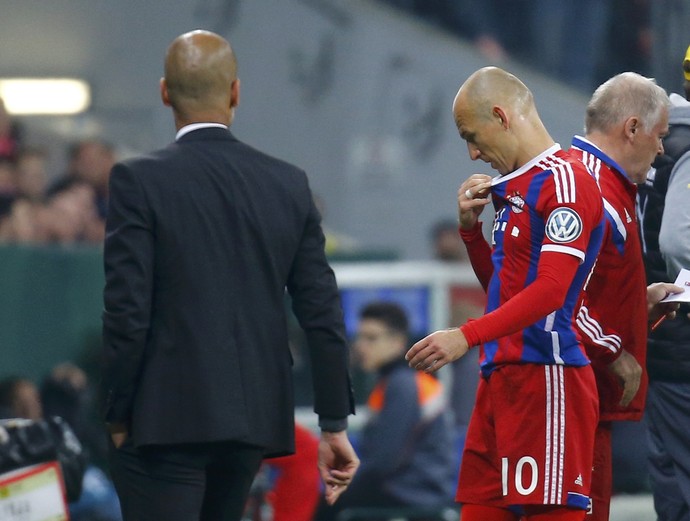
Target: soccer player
point(530, 440)
point(627, 117)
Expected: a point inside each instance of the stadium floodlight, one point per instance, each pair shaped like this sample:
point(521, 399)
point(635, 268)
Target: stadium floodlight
point(45, 96)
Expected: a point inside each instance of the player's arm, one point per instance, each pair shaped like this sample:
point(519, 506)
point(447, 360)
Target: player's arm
point(472, 198)
point(479, 253)
point(604, 347)
point(546, 294)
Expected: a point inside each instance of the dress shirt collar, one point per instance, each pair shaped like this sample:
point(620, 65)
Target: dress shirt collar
point(196, 126)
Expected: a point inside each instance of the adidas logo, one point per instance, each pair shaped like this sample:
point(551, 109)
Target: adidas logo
point(627, 216)
point(578, 481)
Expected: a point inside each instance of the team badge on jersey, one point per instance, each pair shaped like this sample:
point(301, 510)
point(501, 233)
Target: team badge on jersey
point(516, 202)
point(564, 225)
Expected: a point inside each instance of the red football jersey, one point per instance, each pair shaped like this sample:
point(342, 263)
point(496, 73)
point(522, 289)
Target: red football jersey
point(551, 204)
point(613, 314)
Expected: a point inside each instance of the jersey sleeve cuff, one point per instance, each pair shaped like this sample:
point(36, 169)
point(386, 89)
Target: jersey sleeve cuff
point(470, 332)
point(472, 234)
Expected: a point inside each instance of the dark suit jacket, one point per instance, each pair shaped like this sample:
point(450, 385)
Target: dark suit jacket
point(202, 239)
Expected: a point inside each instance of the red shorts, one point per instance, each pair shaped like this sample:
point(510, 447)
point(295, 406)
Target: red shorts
point(531, 438)
point(602, 474)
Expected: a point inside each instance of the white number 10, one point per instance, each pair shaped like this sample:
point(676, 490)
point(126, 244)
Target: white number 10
point(519, 486)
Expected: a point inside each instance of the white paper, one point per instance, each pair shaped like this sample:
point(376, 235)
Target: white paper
point(683, 280)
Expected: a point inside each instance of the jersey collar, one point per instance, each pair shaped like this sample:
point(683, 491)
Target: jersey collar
point(527, 166)
point(585, 144)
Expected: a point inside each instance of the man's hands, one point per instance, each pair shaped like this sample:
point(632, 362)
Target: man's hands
point(629, 372)
point(338, 463)
point(437, 349)
point(473, 196)
point(657, 292)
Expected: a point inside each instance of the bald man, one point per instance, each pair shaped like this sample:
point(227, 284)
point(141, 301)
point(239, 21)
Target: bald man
point(530, 440)
point(203, 238)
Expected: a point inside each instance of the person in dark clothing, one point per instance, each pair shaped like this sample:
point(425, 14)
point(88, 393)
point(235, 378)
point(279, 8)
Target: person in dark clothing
point(405, 444)
point(665, 217)
point(203, 238)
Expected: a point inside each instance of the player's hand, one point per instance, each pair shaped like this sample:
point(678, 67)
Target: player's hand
point(657, 292)
point(473, 196)
point(437, 349)
point(338, 464)
point(629, 373)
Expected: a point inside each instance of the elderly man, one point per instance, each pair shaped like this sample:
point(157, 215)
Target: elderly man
point(627, 118)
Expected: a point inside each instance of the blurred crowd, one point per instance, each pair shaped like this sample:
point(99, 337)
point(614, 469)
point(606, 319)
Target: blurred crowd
point(42, 207)
point(66, 392)
point(580, 42)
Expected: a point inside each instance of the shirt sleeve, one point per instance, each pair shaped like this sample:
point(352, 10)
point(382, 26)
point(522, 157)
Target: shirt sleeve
point(547, 293)
point(479, 253)
point(602, 343)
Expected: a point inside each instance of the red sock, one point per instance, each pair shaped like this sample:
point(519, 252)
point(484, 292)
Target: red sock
point(553, 513)
point(484, 513)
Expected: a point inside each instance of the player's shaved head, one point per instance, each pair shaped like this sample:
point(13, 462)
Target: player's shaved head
point(497, 118)
point(489, 87)
point(200, 68)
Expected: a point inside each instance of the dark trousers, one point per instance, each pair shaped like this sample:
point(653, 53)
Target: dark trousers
point(190, 482)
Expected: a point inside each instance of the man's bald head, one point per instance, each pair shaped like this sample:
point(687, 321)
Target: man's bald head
point(200, 69)
point(496, 116)
point(490, 87)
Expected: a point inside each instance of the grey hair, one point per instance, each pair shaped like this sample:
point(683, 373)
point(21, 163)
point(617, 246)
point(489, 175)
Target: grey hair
point(622, 96)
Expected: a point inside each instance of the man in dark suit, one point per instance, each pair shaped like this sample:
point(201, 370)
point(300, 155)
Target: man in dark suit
point(202, 239)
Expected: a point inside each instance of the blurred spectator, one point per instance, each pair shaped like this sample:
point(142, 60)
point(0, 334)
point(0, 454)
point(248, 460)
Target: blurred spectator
point(404, 445)
point(90, 162)
point(446, 243)
point(31, 438)
point(7, 177)
point(22, 223)
point(31, 174)
point(66, 392)
point(67, 217)
point(19, 398)
point(74, 215)
point(9, 134)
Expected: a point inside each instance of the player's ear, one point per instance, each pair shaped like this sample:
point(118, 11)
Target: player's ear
point(501, 116)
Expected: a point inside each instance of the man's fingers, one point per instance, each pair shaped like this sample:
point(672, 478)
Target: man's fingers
point(413, 354)
point(333, 492)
